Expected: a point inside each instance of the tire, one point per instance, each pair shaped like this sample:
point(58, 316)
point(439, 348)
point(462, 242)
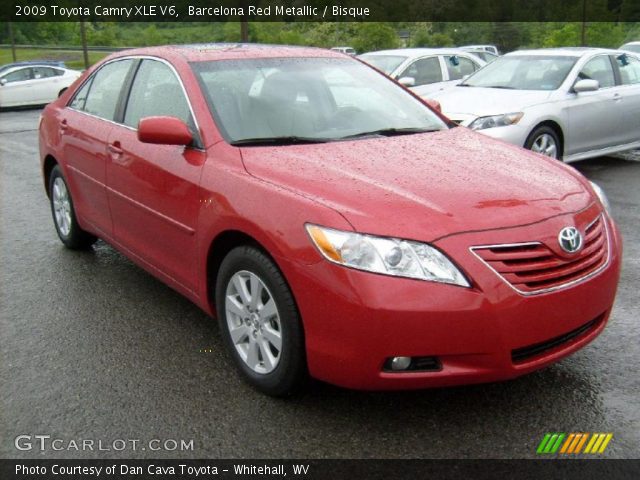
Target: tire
point(250, 325)
point(544, 140)
point(64, 216)
point(61, 92)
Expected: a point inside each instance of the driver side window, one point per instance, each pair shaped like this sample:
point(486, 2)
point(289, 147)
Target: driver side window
point(424, 71)
point(599, 69)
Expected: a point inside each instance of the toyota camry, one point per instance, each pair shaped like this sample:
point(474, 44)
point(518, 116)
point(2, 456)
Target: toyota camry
point(336, 225)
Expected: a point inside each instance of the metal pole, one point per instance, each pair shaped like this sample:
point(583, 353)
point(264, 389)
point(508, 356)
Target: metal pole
point(13, 42)
point(584, 23)
point(83, 38)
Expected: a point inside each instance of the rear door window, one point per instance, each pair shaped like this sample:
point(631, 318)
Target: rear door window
point(106, 88)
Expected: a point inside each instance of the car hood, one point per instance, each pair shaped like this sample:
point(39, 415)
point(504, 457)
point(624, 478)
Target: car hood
point(424, 186)
point(480, 102)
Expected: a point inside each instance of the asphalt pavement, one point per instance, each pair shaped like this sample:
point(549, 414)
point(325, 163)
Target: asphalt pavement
point(92, 347)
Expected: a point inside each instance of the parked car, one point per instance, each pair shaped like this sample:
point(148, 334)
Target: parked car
point(34, 84)
point(358, 239)
point(424, 70)
point(569, 103)
point(347, 50)
point(484, 55)
point(631, 47)
point(50, 63)
point(489, 48)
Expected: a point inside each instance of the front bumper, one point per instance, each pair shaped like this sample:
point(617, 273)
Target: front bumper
point(355, 320)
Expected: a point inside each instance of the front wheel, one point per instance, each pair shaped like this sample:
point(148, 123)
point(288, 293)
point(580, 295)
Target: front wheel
point(544, 140)
point(259, 322)
point(64, 216)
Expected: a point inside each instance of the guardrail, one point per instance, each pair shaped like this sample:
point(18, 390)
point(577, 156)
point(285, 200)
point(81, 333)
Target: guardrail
point(68, 47)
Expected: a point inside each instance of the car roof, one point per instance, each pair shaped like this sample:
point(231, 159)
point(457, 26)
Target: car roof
point(202, 52)
point(637, 42)
point(564, 51)
point(417, 52)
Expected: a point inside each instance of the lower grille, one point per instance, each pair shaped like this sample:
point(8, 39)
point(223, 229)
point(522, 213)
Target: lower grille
point(523, 354)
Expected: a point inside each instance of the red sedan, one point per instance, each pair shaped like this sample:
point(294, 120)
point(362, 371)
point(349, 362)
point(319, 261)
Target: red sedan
point(336, 225)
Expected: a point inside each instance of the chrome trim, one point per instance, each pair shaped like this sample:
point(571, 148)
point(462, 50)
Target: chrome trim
point(139, 57)
point(557, 287)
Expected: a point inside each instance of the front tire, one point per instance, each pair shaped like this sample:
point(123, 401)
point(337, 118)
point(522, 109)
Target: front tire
point(260, 323)
point(64, 216)
point(544, 140)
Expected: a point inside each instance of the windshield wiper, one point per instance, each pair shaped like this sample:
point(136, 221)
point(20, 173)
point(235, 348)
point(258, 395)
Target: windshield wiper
point(500, 86)
point(390, 132)
point(284, 140)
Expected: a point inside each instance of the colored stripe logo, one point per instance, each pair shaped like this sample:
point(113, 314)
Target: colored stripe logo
point(574, 443)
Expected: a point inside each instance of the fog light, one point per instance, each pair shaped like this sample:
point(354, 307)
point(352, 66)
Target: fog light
point(400, 363)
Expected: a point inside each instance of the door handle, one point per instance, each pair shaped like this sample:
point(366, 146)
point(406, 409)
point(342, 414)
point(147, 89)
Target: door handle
point(114, 149)
point(63, 127)
point(617, 97)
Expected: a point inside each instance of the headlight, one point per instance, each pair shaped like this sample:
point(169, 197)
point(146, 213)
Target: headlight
point(496, 121)
point(602, 196)
point(389, 256)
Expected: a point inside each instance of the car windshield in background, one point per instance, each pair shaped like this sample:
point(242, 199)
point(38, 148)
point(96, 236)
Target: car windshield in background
point(523, 72)
point(307, 100)
point(631, 47)
point(384, 63)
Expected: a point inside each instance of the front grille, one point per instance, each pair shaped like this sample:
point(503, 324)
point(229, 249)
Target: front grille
point(535, 268)
point(523, 354)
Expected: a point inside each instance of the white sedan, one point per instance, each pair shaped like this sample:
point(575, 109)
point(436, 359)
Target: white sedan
point(425, 70)
point(570, 103)
point(34, 84)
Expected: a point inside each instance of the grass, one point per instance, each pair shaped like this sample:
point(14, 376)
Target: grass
point(72, 58)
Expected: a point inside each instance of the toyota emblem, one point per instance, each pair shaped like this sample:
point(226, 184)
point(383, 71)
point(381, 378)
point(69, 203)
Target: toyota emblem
point(570, 239)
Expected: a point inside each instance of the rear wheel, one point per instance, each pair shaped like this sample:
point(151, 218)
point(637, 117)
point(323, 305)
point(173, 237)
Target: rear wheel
point(259, 322)
point(544, 140)
point(64, 216)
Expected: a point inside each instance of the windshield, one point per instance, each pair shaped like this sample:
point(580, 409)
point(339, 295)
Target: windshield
point(384, 63)
point(308, 100)
point(523, 72)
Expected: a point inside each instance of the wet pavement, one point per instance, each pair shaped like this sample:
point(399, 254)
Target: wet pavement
point(92, 347)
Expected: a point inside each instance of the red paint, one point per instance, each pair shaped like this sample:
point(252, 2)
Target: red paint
point(164, 131)
point(164, 206)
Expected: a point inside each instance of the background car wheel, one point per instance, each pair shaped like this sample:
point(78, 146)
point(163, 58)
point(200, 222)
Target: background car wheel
point(544, 140)
point(259, 322)
point(61, 92)
point(64, 217)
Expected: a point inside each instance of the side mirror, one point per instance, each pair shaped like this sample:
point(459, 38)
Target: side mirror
point(586, 85)
point(164, 131)
point(434, 104)
point(3, 81)
point(407, 81)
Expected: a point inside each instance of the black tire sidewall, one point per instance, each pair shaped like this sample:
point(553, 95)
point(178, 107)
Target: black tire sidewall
point(77, 238)
point(290, 372)
point(542, 130)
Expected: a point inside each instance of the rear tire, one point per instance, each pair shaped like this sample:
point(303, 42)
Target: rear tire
point(260, 323)
point(64, 216)
point(544, 140)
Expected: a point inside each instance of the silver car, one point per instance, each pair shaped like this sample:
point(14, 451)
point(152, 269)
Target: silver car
point(570, 103)
point(425, 70)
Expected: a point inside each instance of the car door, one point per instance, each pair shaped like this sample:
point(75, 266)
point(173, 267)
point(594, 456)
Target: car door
point(629, 70)
point(593, 118)
point(84, 131)
point(17, 87)
point(154, 189)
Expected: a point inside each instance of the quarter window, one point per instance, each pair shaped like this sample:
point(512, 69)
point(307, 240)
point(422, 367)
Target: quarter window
point(599, 69)
point(106, 86)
